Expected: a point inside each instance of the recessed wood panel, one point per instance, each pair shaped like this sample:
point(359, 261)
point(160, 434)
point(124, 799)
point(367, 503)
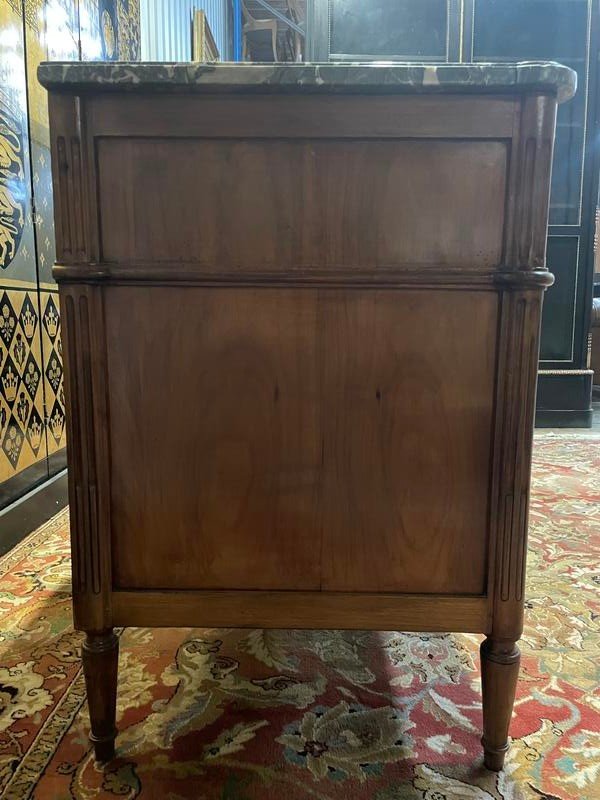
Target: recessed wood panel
point(300, 439)
point(408, 400)
point(303, 116)
point(215, 438)
point(232, 205)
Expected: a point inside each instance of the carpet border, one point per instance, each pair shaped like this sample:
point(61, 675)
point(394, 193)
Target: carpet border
point(26, 776)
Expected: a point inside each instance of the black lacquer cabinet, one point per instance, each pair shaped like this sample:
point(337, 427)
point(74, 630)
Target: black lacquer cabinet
point(518, 30)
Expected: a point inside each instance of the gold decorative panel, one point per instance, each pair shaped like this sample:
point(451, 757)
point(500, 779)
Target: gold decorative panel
point(110, 30)
point(22, 418)
point(13, 197)
point(53, 371)
point(32, 405)
point(22, 433)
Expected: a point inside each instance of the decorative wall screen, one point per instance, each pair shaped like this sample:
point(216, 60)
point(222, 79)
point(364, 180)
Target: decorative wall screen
point(32, 407)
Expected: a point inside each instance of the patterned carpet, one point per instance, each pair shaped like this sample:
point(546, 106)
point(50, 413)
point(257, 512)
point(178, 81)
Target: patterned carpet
point(239, 715)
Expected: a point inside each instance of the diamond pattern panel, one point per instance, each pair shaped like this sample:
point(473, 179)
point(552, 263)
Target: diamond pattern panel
point(12, 444)
point(32, 404)
point(22, 437)
point(8, 320)
point(53, 371)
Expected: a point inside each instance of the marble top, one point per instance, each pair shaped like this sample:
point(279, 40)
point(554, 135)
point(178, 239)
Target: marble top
point(374, 77)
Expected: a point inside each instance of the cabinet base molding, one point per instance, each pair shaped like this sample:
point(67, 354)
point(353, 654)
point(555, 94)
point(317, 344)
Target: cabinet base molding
point(564, 399)
point(289, 609)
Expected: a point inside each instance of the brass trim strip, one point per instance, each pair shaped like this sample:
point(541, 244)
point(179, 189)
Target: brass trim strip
point(565, 372)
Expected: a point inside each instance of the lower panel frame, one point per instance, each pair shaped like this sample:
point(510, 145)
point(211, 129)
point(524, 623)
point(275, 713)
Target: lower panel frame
point(310, 610)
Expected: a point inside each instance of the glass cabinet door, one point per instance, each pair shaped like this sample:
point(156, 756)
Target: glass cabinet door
point(400, 30)
point(556, 30)
point(389, 29)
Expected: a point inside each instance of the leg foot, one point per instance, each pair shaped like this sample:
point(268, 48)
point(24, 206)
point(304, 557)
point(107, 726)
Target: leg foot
point(100, 655)
point(104, 750)
point(499, 673)
point(494, 759)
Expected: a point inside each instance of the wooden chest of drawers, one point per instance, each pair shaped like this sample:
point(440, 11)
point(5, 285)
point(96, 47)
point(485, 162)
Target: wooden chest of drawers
point(301, 310)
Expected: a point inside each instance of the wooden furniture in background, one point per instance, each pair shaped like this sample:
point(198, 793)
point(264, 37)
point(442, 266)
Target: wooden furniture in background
point(252, 25)
point(296, 11)
point(204, 47)
point(265, 428)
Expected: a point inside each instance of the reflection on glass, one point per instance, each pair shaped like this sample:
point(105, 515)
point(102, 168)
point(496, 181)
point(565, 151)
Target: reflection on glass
point(559, 302)
point(89, 31)
point(61, 31)
point(13, 187)
point(272, 31)
point(12, 76)
point(13, 194)
point(389, 28)
point(554, 30)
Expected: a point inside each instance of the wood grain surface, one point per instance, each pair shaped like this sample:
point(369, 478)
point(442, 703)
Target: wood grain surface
point(291, 431)
point(281, 204)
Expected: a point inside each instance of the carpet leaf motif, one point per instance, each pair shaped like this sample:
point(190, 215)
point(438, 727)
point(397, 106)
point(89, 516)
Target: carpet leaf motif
point(315, 715)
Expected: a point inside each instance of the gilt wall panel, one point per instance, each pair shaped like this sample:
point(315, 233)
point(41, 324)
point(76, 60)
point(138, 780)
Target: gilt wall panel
point(22, 433)
point(32, 409)
point(51, 33)
point(53, 371)
point(110, 30)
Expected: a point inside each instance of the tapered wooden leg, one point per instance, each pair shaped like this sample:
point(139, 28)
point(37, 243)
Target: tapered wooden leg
point(100, 656)
point(499, 674)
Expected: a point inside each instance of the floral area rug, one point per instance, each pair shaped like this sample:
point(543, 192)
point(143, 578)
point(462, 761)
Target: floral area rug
point(247, 715)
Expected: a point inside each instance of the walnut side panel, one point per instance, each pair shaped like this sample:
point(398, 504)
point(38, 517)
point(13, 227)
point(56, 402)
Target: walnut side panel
point(519, 348)
point(291, 429)
point(284, 205)
point(84, 364)
point(87, 448)
point(529, 184)
point(408, 394)
point(69, 171)
point(520, 319)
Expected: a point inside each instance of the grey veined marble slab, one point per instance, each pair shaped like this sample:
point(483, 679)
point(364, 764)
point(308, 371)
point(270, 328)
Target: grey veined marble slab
point(381, 77)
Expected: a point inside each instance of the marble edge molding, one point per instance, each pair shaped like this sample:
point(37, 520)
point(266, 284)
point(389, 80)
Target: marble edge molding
point(384, 77)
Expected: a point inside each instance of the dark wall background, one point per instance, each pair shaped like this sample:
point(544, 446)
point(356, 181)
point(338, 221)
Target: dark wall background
point(509, 30)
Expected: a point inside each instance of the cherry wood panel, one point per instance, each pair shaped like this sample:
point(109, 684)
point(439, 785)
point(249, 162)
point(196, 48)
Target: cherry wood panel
point(281, 204)
point(291, 430)
point(215, 438)
point(408, 392)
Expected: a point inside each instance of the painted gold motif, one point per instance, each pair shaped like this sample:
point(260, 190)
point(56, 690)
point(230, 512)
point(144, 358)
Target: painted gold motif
point(12, 187)
point(108, 34)
point(32, 402)
point(22, 430)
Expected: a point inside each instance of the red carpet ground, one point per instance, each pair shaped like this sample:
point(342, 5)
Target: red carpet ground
point(247, 715)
